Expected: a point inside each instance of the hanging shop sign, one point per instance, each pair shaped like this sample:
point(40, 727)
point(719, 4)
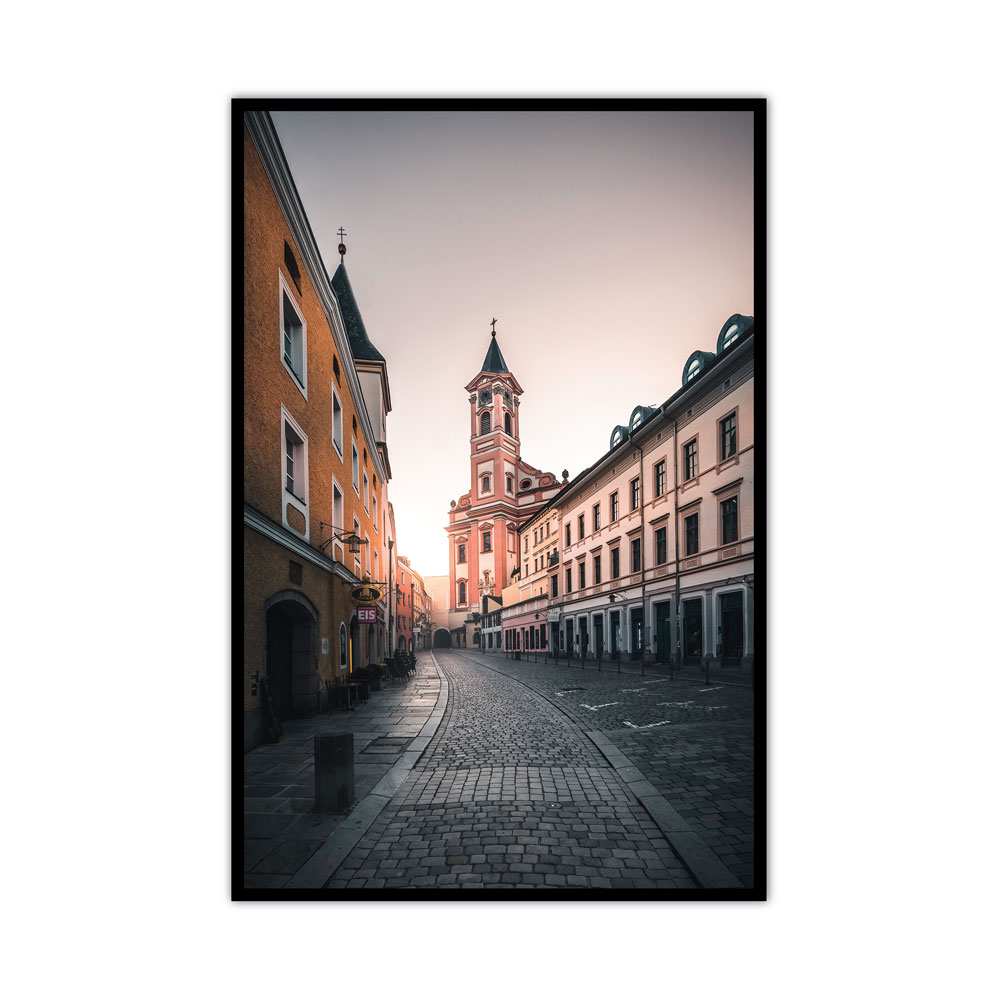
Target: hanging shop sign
point(366, 615)
point(366, 594)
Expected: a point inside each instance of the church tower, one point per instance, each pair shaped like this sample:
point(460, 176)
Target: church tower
point(504, 489)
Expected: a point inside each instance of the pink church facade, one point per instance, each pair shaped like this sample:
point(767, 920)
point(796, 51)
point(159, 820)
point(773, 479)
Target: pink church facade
point(505, 491)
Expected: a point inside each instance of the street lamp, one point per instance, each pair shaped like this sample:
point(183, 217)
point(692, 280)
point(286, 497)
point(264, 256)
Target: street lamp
point(352, 540)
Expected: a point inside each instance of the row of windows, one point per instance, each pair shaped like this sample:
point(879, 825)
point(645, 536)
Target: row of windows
point(486, 423)
point(296, 457)
point(486, 538)
point(485, 482)
point(727, 449)
point(729, 516)
point(535, 637)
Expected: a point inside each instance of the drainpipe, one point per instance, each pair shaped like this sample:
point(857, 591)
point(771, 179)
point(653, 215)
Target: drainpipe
point(677, 561)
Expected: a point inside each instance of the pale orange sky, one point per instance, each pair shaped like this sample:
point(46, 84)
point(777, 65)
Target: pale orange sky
point(608, 245)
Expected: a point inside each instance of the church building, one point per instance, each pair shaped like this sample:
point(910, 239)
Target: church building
point(505, 491)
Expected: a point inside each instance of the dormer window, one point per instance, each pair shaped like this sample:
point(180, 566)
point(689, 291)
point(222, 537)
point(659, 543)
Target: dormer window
point(730, 335)
point(636, 419)
point(693, 368)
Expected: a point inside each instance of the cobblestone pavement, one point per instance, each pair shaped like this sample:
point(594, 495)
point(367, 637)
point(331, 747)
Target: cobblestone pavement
point(510, 794)
point(692, 741)
point(280, 830)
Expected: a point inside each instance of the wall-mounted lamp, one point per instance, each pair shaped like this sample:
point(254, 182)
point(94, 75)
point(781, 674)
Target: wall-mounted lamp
point(352, 540)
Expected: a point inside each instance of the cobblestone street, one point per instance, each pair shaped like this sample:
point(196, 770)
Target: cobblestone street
point(483, 772)
point(512, 793)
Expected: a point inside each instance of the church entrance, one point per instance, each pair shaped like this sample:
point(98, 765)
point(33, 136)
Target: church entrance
point(442, 639)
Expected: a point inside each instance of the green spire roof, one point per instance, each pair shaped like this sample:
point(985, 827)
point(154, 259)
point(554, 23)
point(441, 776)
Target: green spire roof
point(362, 349)
point(494, 359)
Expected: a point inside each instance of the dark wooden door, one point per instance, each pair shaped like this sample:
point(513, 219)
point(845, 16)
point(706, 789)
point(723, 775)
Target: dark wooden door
point(731, 612)
point(662, 611)
point(692, 632)
point(279, 661)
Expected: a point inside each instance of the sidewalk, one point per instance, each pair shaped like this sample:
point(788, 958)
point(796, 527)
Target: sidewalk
point(280, 830)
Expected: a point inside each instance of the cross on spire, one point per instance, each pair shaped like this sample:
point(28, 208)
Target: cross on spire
point(493, 324)
point(341, 249)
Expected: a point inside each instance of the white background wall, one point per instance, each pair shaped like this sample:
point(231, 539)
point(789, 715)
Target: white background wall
point(882, 225)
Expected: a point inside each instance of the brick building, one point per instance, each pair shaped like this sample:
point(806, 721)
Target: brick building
point(316, 464)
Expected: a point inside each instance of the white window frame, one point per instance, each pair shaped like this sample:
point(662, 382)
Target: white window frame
point(366, 491)
point(368, 554)
point(337, 420)
point(338, 522)
point(288, 497)
point(355, 468)
point(285, 291)
point(375, 512)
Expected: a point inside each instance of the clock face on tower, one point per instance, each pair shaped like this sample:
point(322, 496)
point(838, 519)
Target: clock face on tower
point(485, 396)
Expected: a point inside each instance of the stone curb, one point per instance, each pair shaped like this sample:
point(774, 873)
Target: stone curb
point(694, 853)
point(315, 873)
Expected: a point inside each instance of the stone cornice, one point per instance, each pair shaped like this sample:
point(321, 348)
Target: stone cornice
point(253, 518)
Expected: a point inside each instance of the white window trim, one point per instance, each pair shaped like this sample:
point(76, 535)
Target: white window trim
point(357, 560)
point(374, 512)
point(366, 483)
point(343, 513)
point(368, 554)
point(339, 449)
point(355, 460)
point(287, 497)
point(283, 290)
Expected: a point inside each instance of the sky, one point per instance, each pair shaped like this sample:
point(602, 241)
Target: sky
point(608, 245)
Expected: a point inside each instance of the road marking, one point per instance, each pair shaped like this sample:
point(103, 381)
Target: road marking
point(632, 725)
point(594, 708)
point(676, 704)
point(703, 690)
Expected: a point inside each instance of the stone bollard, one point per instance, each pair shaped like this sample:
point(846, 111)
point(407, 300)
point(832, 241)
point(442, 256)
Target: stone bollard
point(334, 767)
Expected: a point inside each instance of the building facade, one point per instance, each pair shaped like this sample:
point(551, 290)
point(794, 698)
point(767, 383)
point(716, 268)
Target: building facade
point(656, 539)
point(482, 524)
point(315, 457)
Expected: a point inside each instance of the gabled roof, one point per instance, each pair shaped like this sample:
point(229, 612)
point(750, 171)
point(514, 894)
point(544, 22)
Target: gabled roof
point(494, 361)
point(362, 349)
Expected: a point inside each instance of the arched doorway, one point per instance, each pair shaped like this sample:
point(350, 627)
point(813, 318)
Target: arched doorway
point(291, 654)
point(402, 642)
point(442, 638)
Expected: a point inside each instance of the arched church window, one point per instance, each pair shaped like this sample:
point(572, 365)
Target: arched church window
point(486, 484)
point(506, 424)
point(484, 423)
point(461, 592)
point(510, 484)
